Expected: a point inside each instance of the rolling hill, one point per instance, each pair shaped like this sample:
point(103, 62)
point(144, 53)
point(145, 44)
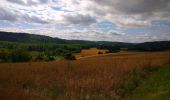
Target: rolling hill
point(24, 37)
point(32, 38)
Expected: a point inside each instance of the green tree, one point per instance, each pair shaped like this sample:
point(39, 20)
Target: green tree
point(20, 55)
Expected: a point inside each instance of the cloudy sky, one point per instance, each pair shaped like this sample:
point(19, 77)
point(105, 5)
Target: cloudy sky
point(98, 20)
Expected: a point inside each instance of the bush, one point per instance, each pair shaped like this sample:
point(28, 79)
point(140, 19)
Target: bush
point(51, 58)
point(40, 57)
point(100, 52)
point(4, 55)
point(69, 56)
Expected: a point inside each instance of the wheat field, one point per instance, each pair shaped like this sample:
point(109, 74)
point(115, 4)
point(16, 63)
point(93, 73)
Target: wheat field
point(90, 52)
point(93, 78)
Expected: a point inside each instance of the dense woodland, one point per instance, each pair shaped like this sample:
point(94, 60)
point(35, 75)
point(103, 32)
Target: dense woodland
point(22, 47)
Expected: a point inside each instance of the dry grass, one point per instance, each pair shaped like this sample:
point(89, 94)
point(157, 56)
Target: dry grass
point(89, 52)
point(95, 78)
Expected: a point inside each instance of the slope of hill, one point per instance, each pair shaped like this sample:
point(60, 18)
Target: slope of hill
point(32, 38)
point(24, 37)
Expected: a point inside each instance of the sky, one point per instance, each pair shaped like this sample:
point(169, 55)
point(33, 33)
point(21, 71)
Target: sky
point(96, 20)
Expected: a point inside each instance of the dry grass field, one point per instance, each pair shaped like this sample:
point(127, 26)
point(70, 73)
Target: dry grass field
point(89, 52)
point(93, 78)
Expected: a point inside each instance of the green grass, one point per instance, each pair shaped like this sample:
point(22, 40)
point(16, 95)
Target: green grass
point(155, 87)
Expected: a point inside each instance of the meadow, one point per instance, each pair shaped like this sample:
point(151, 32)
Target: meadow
point(105, 77)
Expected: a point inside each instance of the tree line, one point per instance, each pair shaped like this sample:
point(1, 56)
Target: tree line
point(18, 52)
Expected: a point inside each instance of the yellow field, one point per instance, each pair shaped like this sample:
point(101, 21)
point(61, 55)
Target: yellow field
point(89, 52)
point(92, 78)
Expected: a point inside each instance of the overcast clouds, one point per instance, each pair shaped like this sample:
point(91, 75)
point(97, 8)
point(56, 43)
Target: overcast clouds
point(108, 20)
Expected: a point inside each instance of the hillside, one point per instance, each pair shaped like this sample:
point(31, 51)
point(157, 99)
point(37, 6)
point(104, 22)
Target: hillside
point(32, 38)
point(24, 37)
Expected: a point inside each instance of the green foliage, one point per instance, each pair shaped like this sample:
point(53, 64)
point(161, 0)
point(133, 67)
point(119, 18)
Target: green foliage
point(130, 82)
point(37, 51)
point(4, 55)
point(40, 56)
point(20, 55)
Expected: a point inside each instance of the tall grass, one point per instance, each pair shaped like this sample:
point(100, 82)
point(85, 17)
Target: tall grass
point(95, 78)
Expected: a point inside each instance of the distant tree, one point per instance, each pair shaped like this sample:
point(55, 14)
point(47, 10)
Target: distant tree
point(110, 48)
point(114, 48)
point(20, 55)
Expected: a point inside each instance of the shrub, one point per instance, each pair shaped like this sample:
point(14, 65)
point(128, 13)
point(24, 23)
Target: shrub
point(51, 58)
point(40, 57)
point(4, 55)
point(100, 52)
point(69, 56)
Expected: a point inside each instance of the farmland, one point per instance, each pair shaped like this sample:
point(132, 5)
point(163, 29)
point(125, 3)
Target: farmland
point(90, 52)
point(105, 77)
point(84, 50)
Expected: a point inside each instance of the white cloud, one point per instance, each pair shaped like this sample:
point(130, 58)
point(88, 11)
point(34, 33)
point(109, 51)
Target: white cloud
point(29, 2)
point(132, 13)
point(49, 13)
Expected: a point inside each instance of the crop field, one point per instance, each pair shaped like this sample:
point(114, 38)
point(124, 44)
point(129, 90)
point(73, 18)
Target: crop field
point(90, 52)
point(105, 77)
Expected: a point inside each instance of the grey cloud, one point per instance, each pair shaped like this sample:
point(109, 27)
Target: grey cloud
point(16, 1)
point(144, 7)
point(34, 19)
point(131, 13)
point(29, 2)
point(12, 15)
point(43, 1)
point(80, 19)
point(7, 15)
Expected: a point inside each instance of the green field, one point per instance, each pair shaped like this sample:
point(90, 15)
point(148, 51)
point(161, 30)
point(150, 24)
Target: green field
point(155, 87)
